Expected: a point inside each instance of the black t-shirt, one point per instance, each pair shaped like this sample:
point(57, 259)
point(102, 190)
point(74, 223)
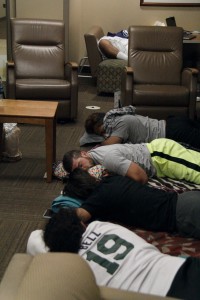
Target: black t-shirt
point(121, 199)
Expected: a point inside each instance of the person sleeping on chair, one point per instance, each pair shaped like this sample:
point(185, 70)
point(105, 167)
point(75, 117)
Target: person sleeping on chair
point(114, 45)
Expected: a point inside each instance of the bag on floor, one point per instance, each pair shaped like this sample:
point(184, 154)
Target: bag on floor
point(11, 134)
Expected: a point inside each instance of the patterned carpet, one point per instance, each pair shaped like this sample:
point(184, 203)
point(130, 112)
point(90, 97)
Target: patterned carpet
point(24, 194)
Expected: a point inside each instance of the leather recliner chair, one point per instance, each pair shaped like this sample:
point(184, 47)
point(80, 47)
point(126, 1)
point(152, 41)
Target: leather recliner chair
point(155, 81)
point(38, 70)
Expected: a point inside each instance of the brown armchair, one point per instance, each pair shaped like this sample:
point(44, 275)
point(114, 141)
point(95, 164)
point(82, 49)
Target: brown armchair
point(106, 73)
point(155, 81)
point(38, 70)
point(62, 276)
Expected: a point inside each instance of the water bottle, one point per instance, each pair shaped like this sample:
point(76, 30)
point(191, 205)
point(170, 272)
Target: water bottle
point(117, 97)
point(1, 89)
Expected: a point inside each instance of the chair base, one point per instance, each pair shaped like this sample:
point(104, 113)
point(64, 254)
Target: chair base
point(109, 74)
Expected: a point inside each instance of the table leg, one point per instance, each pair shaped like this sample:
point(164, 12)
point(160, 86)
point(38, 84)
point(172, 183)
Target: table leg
point(50, 133)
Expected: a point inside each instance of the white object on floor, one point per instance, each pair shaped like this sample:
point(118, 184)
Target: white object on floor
point(93, 107)
point(3, 58)
point(117, 98)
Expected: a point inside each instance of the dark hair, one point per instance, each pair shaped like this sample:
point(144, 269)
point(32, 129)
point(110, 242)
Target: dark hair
point(64, 231)
point(94, 121)
point(68, 159)
point(80, 184)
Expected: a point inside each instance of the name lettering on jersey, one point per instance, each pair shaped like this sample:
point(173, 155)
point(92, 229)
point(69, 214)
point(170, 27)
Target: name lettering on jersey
point(89, 240)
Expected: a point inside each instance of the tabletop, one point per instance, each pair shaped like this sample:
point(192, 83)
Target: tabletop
point(28, 108)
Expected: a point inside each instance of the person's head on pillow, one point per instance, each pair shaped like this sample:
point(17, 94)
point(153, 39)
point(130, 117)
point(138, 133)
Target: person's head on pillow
point(94, 124)
point(80, 183)
point(63, 232)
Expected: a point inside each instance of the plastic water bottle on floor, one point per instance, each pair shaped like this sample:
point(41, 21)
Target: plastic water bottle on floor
point(117, 98)
point(1, 89)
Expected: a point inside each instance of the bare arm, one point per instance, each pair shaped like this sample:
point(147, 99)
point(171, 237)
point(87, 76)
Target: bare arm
point(112, 140)
point(83, 214)
point(108, 49)
point(136, 173)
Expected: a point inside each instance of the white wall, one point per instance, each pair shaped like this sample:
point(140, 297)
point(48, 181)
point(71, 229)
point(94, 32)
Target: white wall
point(114, 15)
point(46, 9)
point(2, 9)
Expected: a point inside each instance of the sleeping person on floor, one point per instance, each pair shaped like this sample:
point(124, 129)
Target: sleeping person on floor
point(124, 125)
point(99, 195)
point(159, 158)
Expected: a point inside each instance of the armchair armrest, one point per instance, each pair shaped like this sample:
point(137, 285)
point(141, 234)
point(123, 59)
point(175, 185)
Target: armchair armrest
point(189, 75)
point(71, 71)
point(10, 86)
point(127, 86)
point(189, 80)
point(108, 293)
point(71, 74)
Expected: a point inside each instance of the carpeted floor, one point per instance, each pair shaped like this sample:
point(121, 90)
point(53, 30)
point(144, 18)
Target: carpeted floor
point(24, 194)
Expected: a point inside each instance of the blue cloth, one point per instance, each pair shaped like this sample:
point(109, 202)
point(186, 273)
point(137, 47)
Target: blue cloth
point(122, 33)
point(64, 201)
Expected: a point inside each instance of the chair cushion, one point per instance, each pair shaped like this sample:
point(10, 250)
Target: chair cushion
point(155, 54)
point(160, 95)
point(38, 48)
point(43, 89)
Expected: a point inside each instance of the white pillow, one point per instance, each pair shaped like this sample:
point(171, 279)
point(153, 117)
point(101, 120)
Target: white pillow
point(90, 138)
point(36, 243)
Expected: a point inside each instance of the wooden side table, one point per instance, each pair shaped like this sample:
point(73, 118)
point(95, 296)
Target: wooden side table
point(33, 112)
